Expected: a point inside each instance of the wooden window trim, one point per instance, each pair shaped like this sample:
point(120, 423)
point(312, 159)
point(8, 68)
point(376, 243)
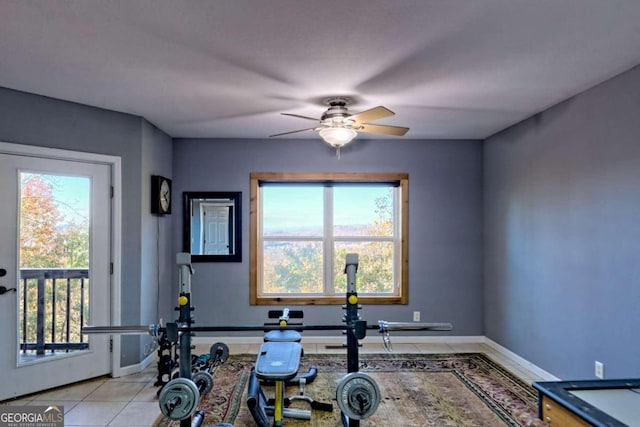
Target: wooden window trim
point(257, 177)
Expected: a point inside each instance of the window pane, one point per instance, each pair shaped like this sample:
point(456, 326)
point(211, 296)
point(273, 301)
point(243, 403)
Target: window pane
point(54, 221)
point(292, 210)
point(292, 267)
point(365, 210)
point(375, 266)
point(54, 237)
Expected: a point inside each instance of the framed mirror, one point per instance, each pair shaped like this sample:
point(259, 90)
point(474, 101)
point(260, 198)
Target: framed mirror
point(211, 226)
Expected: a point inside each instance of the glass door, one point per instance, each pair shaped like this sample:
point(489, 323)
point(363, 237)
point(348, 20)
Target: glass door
point(55, 227)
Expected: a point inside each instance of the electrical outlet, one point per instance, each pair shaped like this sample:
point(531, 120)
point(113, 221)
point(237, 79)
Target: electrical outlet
point(599, 370)
point(416, 316)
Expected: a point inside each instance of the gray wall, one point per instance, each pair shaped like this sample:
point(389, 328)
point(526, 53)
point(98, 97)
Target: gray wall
point(445, 235)
point(156, 256)
point(562, 233)
point(36, 120)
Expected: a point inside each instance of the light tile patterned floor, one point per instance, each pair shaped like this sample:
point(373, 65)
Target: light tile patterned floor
point(131, 401)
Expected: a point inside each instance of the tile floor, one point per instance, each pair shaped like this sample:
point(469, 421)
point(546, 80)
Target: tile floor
point(131, 401)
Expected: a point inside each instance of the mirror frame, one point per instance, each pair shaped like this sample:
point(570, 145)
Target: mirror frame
point(236, 196)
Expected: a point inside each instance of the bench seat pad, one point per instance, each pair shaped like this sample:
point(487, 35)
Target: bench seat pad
point(278, 361)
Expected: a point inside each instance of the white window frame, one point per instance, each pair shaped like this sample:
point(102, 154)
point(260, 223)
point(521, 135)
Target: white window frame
point(400, 296)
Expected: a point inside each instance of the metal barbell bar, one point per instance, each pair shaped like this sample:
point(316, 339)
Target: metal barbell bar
point(154, 329)
point(120, 330)
point(383, 327)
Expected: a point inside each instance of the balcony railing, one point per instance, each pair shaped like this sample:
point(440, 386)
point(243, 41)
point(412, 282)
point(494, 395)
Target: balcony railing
point(54, 306)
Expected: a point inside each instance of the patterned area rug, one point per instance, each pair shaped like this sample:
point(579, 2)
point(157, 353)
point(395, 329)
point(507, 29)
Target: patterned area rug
point(438, 390)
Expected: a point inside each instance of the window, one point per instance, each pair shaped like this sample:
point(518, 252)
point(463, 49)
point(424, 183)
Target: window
point(303, 225)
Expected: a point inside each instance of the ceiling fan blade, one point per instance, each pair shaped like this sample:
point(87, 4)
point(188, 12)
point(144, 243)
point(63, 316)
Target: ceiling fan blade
point(372, 114)
point(383, 129)
point(301, 117)
point(293, 131)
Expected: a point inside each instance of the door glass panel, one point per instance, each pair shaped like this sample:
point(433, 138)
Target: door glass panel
point(54, 238)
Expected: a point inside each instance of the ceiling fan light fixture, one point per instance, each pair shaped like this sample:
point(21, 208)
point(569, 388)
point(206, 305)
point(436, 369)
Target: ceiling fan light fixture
point(337, 127)
point(337, 136)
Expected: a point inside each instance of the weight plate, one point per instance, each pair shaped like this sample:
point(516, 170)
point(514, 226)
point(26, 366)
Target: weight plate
point(219, 352)
point(204, 381)
point(358, 395)
point(179, 399)
point(175, 373)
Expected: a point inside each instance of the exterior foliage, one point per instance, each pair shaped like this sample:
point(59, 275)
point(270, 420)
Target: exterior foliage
point(296, 267)
point(47, 240)
point(51, 241)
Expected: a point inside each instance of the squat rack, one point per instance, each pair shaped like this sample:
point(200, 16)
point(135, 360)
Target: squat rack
point(368, 394)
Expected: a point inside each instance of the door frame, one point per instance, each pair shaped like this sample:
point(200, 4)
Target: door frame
point(115, 162)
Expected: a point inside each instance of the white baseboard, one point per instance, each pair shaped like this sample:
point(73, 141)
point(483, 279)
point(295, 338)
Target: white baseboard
point(423, 339)
point(138, 367)
point(226, 340)
point(546, 376)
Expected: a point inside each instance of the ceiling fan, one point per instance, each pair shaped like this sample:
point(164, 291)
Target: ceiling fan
point(337, 127)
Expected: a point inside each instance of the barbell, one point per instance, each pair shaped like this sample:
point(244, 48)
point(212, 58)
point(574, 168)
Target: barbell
point(360, 325)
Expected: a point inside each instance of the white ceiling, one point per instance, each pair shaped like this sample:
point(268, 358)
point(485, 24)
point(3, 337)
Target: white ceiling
point(226, 69)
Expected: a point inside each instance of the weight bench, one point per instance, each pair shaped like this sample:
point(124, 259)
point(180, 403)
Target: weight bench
point(289, 335)
point(277, 362)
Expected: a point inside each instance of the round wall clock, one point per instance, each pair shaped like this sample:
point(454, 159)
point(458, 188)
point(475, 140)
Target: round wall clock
point(160, 195)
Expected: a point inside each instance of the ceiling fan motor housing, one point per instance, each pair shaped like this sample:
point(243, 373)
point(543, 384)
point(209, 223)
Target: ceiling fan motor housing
point(337, 113)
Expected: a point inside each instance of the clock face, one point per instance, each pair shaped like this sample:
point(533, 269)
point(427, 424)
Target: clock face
point(165, 196)
point(160, 195)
